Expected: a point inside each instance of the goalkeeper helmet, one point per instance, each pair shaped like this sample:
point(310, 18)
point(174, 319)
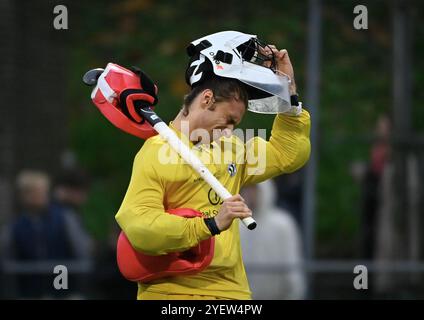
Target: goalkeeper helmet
point(241, 56)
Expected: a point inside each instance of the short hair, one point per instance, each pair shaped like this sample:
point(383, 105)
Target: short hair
point(28, 180)
point(224, 89)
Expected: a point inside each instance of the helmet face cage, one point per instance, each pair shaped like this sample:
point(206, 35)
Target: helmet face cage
point(255, 51)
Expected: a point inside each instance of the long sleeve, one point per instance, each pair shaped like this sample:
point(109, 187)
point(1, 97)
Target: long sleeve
point(142, 215)
point(287, 150)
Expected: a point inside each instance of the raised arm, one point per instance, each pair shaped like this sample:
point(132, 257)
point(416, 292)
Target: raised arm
point(286, 151)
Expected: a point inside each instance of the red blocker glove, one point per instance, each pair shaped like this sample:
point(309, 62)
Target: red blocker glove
point(131, 100)
point(137, 266)
point(134, 89)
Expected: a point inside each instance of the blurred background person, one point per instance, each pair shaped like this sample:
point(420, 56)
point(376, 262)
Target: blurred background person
point(47, 231)
point(398, 215)
point(37, 233)
point(70, 194)
point(289, 194)
point(275, 242)
point(369, 175)
point(371, 186)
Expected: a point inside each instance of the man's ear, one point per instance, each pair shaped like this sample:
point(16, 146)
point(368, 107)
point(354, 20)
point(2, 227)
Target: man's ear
point(206, 98)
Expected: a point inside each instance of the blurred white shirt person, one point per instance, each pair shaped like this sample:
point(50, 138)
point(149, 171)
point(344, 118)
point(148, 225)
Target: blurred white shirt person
point(275, 241)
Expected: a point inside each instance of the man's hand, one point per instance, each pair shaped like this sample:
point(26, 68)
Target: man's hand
point(284, 65)
point(232, 208)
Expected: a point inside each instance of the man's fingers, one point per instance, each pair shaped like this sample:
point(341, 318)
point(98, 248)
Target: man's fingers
point(232, 208)
point(234, 198)
point(285, 55)
point(280, 54)
point(242, 215)
point(239, 206)
point(269, 49)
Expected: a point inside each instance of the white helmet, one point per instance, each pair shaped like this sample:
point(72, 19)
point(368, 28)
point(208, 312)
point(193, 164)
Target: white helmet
point(240, 56)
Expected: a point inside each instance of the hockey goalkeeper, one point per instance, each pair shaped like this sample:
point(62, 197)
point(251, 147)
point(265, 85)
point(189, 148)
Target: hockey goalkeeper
point(224, 85)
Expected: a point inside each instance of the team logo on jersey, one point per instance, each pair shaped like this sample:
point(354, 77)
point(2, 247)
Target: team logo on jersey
point(213, 197)
point(232, 170)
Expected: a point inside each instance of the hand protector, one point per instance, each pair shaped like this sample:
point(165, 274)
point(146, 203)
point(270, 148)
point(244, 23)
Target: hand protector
point(132, 100)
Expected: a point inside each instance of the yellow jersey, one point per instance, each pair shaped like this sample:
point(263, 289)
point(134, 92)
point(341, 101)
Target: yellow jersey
point(162, 180)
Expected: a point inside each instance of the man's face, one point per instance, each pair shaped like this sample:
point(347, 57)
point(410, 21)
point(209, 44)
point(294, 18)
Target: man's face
point(36, 197)
point(221, 119)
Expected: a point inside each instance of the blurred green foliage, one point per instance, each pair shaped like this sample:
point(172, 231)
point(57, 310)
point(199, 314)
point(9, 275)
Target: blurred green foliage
point(355, 89)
